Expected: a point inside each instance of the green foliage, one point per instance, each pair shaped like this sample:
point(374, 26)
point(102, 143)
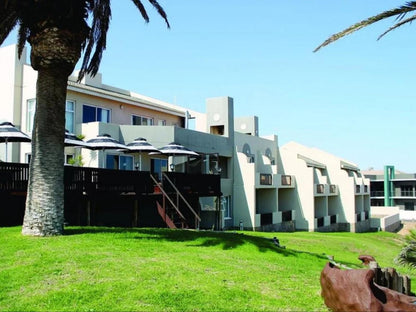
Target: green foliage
point(407, 255)
point(113, 269)
point(76, 161)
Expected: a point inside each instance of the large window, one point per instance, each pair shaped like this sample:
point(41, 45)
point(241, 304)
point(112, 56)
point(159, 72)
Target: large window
point(94, 113)
point(120, 162)
point(141, 121)
point(69, 116)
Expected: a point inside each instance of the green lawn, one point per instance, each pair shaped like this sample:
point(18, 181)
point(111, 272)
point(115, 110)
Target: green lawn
point(109, 269)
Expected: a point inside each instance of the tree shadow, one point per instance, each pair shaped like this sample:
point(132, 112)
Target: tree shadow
point(204, 239)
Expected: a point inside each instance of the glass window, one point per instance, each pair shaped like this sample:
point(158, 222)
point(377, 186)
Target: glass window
point(226, 206)
point(69, 116)
point(126, 162)
point(111, 162)
point(158, 166)
point(119, 162)
point(31, 107)
point(103, 115)
point(92, 113)
point(141, 121)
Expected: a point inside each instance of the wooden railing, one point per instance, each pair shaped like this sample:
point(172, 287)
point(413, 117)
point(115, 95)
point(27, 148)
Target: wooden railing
point(14, 177)
point(168, 184)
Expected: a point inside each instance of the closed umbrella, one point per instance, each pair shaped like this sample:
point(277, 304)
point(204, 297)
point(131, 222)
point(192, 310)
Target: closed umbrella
point(9, 133)
point(103, 142)
point(140, 145)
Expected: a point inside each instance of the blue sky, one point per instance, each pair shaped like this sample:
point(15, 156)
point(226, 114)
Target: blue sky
point(353, 99)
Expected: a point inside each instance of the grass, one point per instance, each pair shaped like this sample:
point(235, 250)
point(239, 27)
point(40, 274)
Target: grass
point(112, 269)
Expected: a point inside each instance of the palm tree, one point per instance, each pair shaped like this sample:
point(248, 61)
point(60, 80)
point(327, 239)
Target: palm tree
point(58, 32)
point(399, 12)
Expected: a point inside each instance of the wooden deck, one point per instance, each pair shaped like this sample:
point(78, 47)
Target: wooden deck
point(95, 196)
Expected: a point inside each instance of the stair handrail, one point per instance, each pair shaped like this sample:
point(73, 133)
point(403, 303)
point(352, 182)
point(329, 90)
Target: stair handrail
point(167, 196)
point(181, 196)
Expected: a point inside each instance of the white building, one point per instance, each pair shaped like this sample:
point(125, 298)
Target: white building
point(330, 192)
point(263, 187)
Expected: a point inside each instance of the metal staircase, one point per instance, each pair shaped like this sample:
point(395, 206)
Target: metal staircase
point(169, 208)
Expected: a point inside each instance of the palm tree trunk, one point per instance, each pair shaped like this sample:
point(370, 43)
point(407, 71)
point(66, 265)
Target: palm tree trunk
point(54, 55)
point(44, 213)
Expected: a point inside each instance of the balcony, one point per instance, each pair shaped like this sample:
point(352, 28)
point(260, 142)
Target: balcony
point(411, 194)
point(288, 215)
point(362, 216)
point(326, 221)
point(362, 189)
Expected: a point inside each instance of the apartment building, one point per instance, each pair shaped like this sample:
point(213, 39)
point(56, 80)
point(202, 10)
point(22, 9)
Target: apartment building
point(390, 187)
point(330, 195)
point(263, 187)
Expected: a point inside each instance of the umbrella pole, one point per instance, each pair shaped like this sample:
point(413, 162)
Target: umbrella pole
point(103, 159)
point(6, 149)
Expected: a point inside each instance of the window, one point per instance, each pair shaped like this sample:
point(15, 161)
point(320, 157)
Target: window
point(158, 166)
point(406, 190)
point(93, 113)
point(265, 179)
point(69, 116)
point(226, 206)
point(31, 107)
point(161, 122)
point(141, 121)
point(120, 162)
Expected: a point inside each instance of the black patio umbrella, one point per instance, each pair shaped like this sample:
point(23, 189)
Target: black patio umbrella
point(174, 149)
point(103, 142)
point(72, 140)
point(140, 145)
point(9, 133)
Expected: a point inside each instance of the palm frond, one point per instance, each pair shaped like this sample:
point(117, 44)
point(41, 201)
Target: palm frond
point(22, 36)
point(9, 17)
point(97, 39)
point(160, 10)
point(142, 10)
point(400, 12)
point(407, 255)
point(7, 24)
point(397, 25)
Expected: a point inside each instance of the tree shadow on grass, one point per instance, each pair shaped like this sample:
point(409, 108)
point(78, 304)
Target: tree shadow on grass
point(228, 240)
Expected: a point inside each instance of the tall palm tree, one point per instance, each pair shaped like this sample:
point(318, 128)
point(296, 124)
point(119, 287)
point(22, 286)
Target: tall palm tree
point(401, 19)
point(58, 33)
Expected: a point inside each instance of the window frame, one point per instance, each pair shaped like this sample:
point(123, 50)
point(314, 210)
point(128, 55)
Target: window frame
point(152, 120)
point(96, 107)
point(72, 128)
